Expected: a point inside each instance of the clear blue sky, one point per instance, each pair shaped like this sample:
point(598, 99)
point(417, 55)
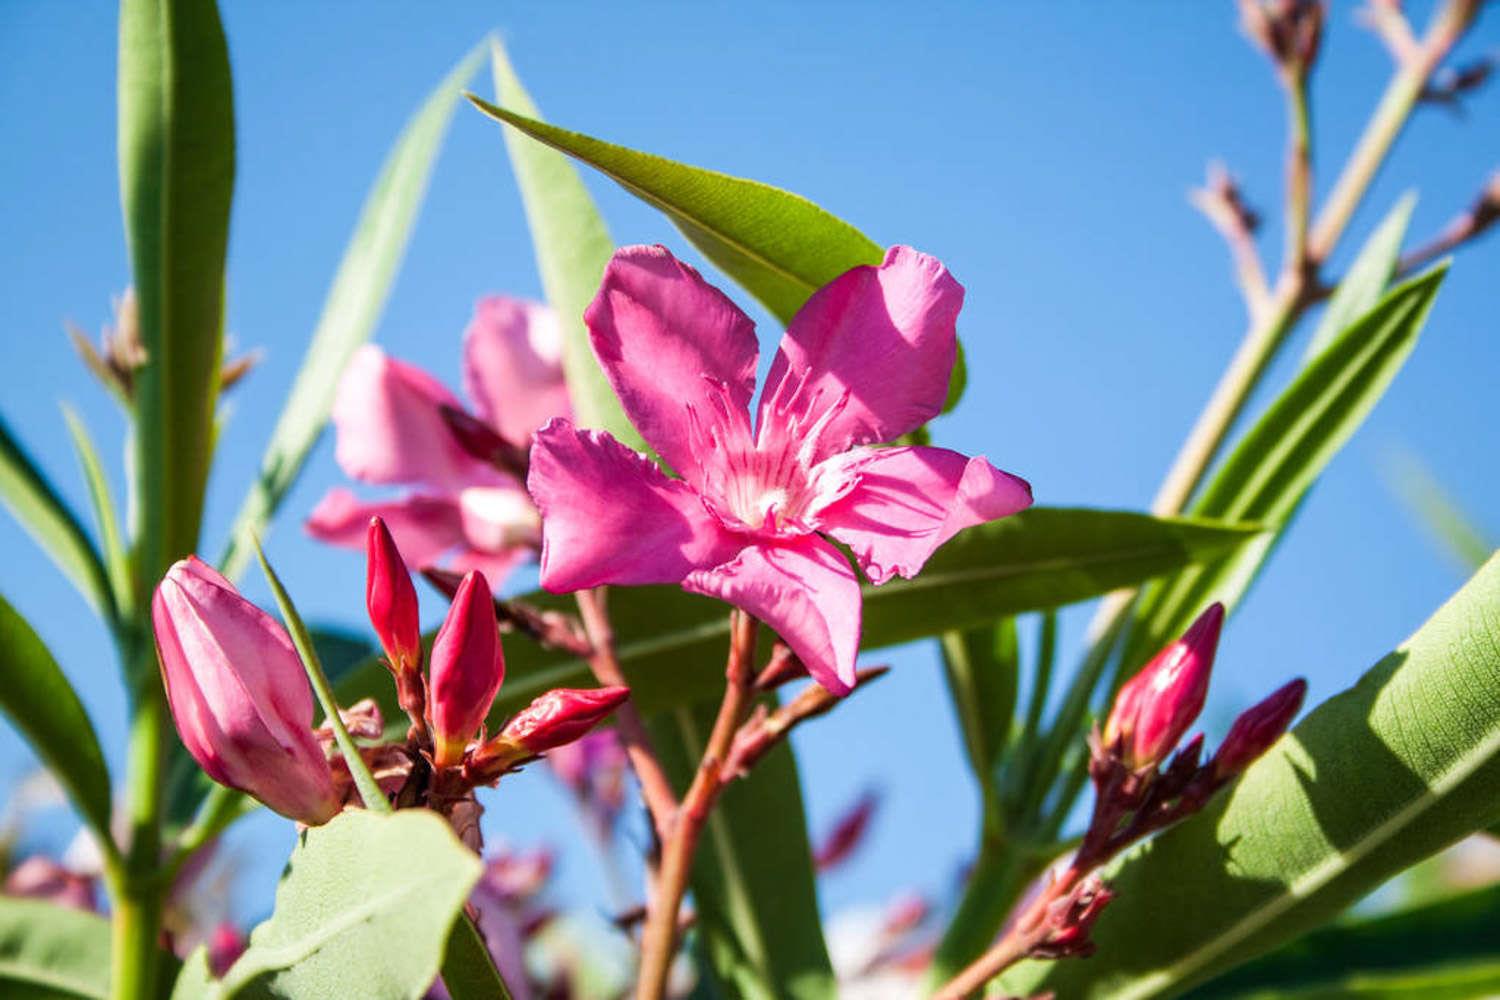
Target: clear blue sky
point(1043, 151)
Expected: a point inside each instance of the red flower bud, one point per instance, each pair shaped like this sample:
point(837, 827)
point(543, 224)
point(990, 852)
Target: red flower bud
point(1068, 921)
point(392, 600)
point(1156, 706)
point(467, 668)
point(847, 834)
point(561, 716)
point(1257, 728)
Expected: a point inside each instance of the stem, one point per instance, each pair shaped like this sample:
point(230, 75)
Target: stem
point(656, 787)
point(219, 809)
point(1298, 173)
point(1012, 946)
point(659, 940)
point(998, 879)
point(137, 892)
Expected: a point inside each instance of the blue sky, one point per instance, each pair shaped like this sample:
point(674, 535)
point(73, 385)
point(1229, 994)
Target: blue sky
point(1043, 151)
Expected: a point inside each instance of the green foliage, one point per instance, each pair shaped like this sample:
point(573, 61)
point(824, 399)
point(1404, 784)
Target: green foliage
point(1453, 939)
point(42, 705)
point(52, 952)
point(44, 514)
point(468, 971)
point(116, 557)
point(365, 908)
point(1367, 277)
point(1270, 471)
point(1043, 557)
point(752, 882)
point(1378, 777)
point(1461, 539)
point(353, 307)
point(176, 139)
point(983, 668)
point(779, 246)
point(572, 248)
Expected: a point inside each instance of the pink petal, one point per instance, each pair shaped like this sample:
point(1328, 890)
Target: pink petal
point(885, 335)
point(496, 566)
point(513, 366)
point(609, 515)
point(390, 429)
point(909, 501)
point(804, 590)
point(424, 526)
point(664, 337)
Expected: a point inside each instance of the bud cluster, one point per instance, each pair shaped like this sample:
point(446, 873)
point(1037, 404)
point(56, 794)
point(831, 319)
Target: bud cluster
point(243, 705)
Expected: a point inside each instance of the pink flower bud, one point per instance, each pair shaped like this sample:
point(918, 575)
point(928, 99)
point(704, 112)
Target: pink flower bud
point(225, 945)
point(467, 668)
point(391, 600)
point(561, 716)
point(238, 693)
point(847, 834)
point(1257, 728)
point(1156, 706)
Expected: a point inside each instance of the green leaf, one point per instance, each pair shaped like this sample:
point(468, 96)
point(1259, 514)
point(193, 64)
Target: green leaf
point(1459, 982)
point(353, 307)
point(1270, 471)
point(983, 668)
point(43, 706)
point(469, 972)
point(176, 141)
point(572, 248)
point(1044, 557)
point(367, 899)
point(50, 952)
point(1388, 772)
point(1448, 525)
point(47, 518)
point(778, 245)
point(753, 887)
point(1457, 933)
point(1366, 278)
point(116, 556)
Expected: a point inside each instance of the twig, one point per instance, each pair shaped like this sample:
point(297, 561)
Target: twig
point(552, 629)
point(1222, 203)
point(656, 787)
point(659, 940)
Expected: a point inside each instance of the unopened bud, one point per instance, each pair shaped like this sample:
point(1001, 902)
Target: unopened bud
point(1069, 921)
point(480, 440)
point(467, 668)
point(562, 715)
point(392, 600)
point(847, 834)
point(239, 694)
point(1156, 706)
point(1257, 728)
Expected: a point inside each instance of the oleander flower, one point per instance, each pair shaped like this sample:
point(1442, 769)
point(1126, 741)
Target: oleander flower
point(866, 360)
point(388, 416)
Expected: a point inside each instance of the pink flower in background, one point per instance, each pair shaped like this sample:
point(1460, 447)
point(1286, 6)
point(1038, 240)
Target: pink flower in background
point(238, 693)
point(593, 769)
point(39, 877)
point(866, 360)
point(391, 430)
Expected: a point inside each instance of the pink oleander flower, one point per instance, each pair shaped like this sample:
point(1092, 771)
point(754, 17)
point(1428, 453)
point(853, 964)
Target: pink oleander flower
point(468, 665)
point(238, 693)
point(39, 877)
point(593, 768)
point(1154, 708)
point(866, 360)
point(389, 420)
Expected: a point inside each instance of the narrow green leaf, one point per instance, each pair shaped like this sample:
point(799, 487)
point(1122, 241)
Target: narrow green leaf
point(1367, 277)
point(572, 248)
point(779, 246)
point(983, 668)
point(469, 972)
point(44, 514)
point(50, 952)
point(354, 305)
point(366, 905)
point(369, 791)
point(1457, 932)
point(176, 140)
point(1390, 771)
point(753, 886)
point(1448, 525)
point(43, 706)
point(1270, 471)
point(1469, 981)
point(116, 556)
point(1044, 557)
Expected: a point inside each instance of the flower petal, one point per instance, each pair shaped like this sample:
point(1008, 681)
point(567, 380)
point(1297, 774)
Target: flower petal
point(513, 366)
point(665, 337)
point(909, 501)
point(885, 336)
point(390, 429)
point(806, 591)
point(609, 515)
point(424, 526)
